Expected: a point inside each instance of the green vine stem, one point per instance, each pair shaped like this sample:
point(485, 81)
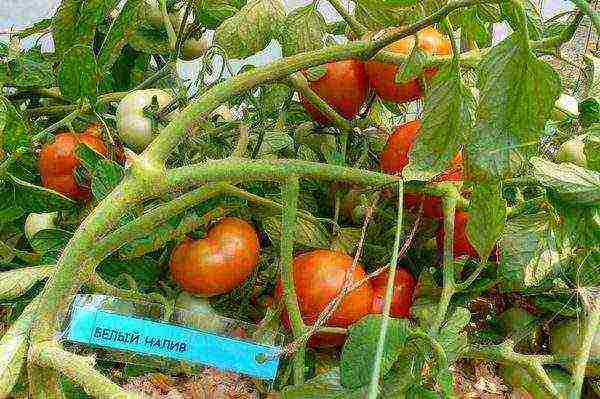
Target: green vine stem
point(374, 385)
point(504, 353)
point(300, 83)
point(289, 193)
point(80, 370)
point(63, 109)
point(449, 288)
point(583, 353)
point(358, 29)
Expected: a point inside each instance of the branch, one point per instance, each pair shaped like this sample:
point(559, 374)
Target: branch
point(389, 293)
point(587, 9)
point(63, 109)
point(289, 194)
point(79, 369)
point(583, 352)
point(449, 288)
point(301, 85)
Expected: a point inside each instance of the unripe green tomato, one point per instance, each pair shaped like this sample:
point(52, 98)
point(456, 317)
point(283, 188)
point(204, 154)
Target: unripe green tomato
point(197, 312)
point(573, 151)
point(135, 129)
point(39, 221)
point(193, 49)
point(152, 14)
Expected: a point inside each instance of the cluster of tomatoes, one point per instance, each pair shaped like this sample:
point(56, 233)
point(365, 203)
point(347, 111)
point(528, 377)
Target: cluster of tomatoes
point(227, 256)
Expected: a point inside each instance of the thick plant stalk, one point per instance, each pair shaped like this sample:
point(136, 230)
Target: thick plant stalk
point(583, 353)
point(301, 85)
point(374, 385)
point(357, 28)
point(449, 288)
point(80, 370)
point(289, 194)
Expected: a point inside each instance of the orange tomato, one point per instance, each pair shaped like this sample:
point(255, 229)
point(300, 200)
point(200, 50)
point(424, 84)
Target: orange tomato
point(218, 263)
point(344, 87)
point(402, 298)
point(382, 76)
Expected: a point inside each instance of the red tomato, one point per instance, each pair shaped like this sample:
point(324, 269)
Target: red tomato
point(394, 158)
point(218, 263)
point(318, 277)
point(461, 246)
point(382, 76)
point(58, 162)
point(344, 87)
point(404, 287)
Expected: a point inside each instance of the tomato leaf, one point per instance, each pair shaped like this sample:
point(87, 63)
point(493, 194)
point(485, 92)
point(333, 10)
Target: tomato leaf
point(251, 29)
point(413, 66)
point(64, 25)
point(91, 15)
point(473, 25)
point(524, 239)
point(28, 69)
point(572, 183)
point(14, 133)
point(451, 336)
point(303, 30)
point(487, 217)
point(213, 13)
point(517, 93)
point(105, 173)
point(589, 111)
point(315, 73)
point(325, 386)
point(535, 22)
point(150, 41)
point(50, 240)
point(78, 74)
point(272, 96)
point(592, 75)
point(122, 28)
point(309, 234)
point(36, 199)
point(359, 350)
point(448, 116)
point(591, 150)
point(145, 271)
point(375, 15)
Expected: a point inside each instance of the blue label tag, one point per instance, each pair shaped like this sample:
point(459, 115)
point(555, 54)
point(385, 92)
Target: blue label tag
point(110, 330)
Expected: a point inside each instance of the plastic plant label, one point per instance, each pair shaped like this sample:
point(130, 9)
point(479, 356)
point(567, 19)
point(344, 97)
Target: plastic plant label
point(103, 328)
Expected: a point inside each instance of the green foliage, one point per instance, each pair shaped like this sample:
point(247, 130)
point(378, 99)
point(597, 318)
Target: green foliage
point(121, 30)
point(26, 69)
point(376, 15)
point(14, 133)
point(105, 174)
point(78, 74)
point(448, 117)
point(358, 354)
point(517, 92)
point(36, 199)
point(303, 30)
point(213, 13)
point(251, 29)
point(487, 217)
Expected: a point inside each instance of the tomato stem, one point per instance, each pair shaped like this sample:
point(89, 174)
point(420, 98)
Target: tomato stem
point(357, 28)
point(583, 353)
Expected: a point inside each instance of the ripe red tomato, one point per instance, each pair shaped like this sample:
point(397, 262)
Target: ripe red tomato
point(382, 76)
point(404, 287)
point(461, 246)
point(218, 263)
point(318, 277)
point(394, 158)
point(58, 162)
point(344, 87)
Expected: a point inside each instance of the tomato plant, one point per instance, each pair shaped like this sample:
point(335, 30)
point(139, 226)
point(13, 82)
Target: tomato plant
point(218, 263)
point(245, 167)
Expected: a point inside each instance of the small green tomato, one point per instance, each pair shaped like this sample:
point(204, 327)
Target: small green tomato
point(573, 151)
point(135, 128)
point(39, 221)
point(193, 49)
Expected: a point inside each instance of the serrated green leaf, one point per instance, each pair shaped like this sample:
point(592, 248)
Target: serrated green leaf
point(122, 28)
point(448, 116)
point(28, 69)
point(272, 96)
point(517, 93)
point(14, 133)
point(145, 271)
point(589, 111)
point(592, 75)
point(535, 22)
point(413, 66)
point(150, 41)
point(36, 199)
point(451, 335)
point(572, 183)
point(92, 13)
point(251, 29)
point(487, 217)
point(358, 354)
point(304, 30)
point(524, 239)
point(324, 386)
point(375, 15)
point(315, 73)
point(15, 283)
point(50, 240)
point(64, 25)
point(309, 234)
point(473, 25)
point(105, 174)
point(78, 74)
point(212, 13)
